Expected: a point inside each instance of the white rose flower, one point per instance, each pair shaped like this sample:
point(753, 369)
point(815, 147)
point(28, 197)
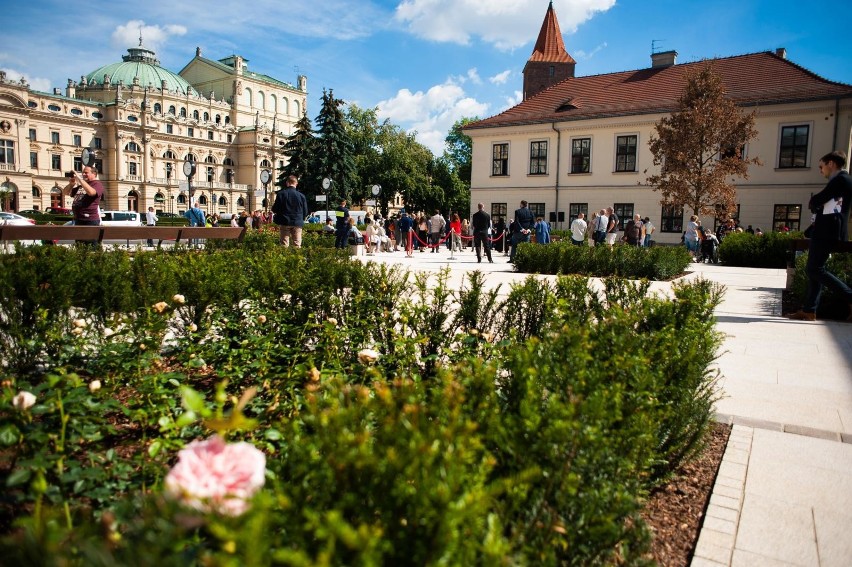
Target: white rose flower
point(80, 323)
point(262, 319)
point(23, 400)
point(179, 299)
point(332, 320)
point(368, 356)
point(94, 385)
point(161, 306)
point(193, 327)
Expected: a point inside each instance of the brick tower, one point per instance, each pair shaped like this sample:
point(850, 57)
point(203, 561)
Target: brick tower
point(549, 62)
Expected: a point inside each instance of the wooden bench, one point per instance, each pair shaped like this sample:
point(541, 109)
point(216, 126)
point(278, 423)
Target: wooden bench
point(100, 234)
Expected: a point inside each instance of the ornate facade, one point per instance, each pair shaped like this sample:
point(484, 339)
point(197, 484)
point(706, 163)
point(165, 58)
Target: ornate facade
point(143, 122)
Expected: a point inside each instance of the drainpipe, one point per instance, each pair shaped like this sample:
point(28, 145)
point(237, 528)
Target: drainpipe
point(558, 154)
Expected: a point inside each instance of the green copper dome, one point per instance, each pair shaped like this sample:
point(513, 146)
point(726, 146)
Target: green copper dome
point(143, 64)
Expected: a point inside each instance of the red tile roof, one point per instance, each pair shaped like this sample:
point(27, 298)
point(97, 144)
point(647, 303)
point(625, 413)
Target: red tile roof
point(549, 46)
point(753, 79)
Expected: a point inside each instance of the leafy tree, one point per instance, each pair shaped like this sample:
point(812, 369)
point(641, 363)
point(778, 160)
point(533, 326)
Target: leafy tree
point(455, 192)
point(335, 155)
point(459, 149)
point(700, 147)
point(300, 150)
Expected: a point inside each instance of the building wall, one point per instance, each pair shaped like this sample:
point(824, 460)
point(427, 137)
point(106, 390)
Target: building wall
point(767, 186)
point(114, 117)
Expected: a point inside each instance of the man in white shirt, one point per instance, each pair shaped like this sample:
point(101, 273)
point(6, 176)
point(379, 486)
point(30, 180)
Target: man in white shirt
point(578, 230)
point(600, 227)
point(151, 219)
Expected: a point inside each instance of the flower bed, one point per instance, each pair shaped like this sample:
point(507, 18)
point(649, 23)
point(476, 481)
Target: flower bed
point(400, 421)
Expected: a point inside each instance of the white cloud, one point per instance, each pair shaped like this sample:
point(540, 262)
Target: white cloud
point(36, 83)
point(507, 24)
point(432, 113)
point(473, 75)
point(153, 37)
point(513, 100)
point(500, 78)
point(580, 54)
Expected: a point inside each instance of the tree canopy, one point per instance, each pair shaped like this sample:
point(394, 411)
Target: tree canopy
point(700, 147)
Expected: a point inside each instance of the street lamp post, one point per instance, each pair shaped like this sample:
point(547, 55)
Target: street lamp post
point(265, 176)
point(189, 171)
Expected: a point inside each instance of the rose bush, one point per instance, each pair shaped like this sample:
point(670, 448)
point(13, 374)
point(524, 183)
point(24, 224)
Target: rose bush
point(213, 475)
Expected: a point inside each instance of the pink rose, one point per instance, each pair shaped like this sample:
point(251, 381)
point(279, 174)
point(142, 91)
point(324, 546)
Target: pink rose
point(216, 476)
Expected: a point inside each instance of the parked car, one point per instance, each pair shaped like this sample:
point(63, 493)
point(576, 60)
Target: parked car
point(30, 212)
point(57, 211)
point(12, 218)
point(121, 218)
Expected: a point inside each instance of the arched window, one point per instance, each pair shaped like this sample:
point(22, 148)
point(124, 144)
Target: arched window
point(248, 97)
point(241, 202)
point(265, 163)
point(169, 155)
point(132, 201)
point(207, 117)
point(132, 147)
point(195, 114)
point(209, 159)
point(36, 192)
point(261, 100)
point(159, 198)
point(285, 106)
point(181, 199)
point(158, 108)
point(182, 112)
point(296, 112)
point(202, 199)
point(223, 202)
point(172, 110)
point(189, 157)
point(219, 119)
point(56, 197)
point(273, 103)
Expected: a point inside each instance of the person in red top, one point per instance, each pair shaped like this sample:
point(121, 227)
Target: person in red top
point(455, 228)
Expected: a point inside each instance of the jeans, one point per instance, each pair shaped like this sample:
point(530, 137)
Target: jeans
point(818, 276)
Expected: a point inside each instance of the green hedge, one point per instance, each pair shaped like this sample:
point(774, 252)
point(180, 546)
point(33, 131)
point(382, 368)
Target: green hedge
point(770, 250)
point(654, 263)
point(519, 430)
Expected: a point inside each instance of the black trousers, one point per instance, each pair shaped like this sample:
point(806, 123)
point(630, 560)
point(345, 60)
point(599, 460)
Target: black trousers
point(480, 239)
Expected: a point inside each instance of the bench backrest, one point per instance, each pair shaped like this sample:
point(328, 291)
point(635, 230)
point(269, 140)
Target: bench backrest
point(101, 233)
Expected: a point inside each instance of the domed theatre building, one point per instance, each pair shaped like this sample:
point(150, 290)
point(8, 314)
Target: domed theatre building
point(144, 122)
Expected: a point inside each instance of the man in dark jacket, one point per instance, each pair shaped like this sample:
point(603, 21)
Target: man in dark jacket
point(525, 222)
point(831, 209)
point(341, 225)
point(481, 224)
point(289, 211)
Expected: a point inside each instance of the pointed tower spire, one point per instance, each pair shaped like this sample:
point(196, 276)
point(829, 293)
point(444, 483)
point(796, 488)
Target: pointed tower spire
point(549, 63)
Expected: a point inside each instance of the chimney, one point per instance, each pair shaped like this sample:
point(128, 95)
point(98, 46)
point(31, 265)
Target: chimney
point(663, 59)
point(781, 52)
point(70, 90)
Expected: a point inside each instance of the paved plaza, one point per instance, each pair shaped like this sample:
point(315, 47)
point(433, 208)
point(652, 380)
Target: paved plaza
point(783, 495)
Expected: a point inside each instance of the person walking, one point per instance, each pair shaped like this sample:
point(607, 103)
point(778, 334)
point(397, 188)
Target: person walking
point(289, 211)
point(831, 217)
point(481, 226)
point(578, 230)
point(151, 220)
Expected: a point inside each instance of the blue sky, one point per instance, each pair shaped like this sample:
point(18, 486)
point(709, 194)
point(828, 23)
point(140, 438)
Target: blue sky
point(423, 63)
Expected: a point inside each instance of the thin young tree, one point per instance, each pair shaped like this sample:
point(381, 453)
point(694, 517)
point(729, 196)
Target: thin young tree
point(700, 147)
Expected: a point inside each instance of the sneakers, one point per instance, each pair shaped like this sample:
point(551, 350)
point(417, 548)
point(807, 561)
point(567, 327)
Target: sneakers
point(802, 316)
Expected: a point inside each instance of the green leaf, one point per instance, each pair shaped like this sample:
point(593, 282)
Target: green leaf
point(272, 434)
point(192, 400)
point(19, 476)
point(9, 435)
point(155, 448)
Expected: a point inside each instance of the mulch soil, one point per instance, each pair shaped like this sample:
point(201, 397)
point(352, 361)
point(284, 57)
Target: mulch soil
point(675, 512)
